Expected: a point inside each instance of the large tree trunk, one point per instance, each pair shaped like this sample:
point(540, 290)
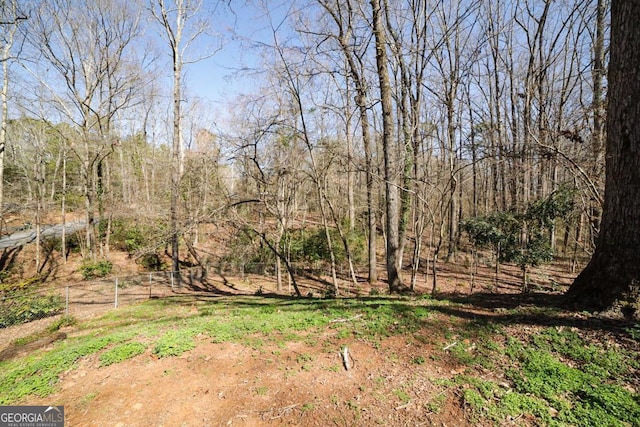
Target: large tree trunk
point(612, 279)
point(3, 116)
point(175, 165)
point(390, 153)
point(9, 29)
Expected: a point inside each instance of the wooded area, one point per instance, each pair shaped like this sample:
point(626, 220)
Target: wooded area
point(430, 126)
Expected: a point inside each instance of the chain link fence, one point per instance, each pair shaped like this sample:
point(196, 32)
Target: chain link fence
point(89, 298)
point(317, 269)
point(93, 297)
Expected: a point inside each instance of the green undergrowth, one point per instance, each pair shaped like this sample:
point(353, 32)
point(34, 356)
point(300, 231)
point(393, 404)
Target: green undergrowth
point(28, 307)
point(557, 378)
point(170, 327)
point(121, 353)
point(538, 376)
point(38, 373)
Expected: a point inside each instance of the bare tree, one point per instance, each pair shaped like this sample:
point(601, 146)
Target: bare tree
point(30, 145)
point(10, 17)
point(181, 27)
point(391, 160)
point(85, 65)
point(354, 48)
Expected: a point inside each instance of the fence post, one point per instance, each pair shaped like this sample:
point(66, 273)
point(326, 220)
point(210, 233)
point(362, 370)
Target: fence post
point(172, 282)
point(66, 305)
point(116, 294)
point(150, 280)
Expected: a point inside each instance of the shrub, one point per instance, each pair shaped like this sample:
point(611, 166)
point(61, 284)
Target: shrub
point(129, 237)
point(152, 262)
point(23, 309)
point(93, 270)
point(311, 245)
point(521, 238)
point(245, 247)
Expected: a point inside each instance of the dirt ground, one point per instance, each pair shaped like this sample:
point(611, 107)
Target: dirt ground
point(229, 384)
point(302, 384)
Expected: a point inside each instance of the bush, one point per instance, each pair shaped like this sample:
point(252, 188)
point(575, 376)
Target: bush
point(152, 262)
point(130, 237)
point(302, 245)
point(23, 309)
point(93, 270)
point(245, 247)
point(521, 238)
point(72, 243)
point(312, 245)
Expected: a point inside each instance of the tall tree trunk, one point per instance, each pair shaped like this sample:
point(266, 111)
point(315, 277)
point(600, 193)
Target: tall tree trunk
point(3, 113)
point(63, 202)
point(9, 29)
point(175, 164)
point(355, 70)
point(597, 106)
point(350, 172)
point(392, 206)
point(611, 280)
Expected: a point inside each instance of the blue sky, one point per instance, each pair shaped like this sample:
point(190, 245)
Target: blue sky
point(221, 76)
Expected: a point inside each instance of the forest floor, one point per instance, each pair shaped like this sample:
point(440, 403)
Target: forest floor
point(442, 360)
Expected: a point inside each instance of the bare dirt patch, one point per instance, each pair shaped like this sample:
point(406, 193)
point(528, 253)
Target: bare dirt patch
point(231, 384)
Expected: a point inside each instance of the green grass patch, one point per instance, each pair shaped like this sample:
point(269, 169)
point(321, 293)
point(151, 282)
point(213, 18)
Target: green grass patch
point(554, 378)
point(402, 395)
point(87, 399)
point(50, 330)
point(262, 391)
point(634, 332)
point(307, 407)
point(38, 373)
point(559, 379)
point(435, 404)
point(121, 353)
point(61, 323)
point(418, 360)
point(175, 342)
point(172, 325)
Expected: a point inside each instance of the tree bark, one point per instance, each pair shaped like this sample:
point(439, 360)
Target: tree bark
point(611, 280)
point(175, 161)
point(390, 153)
point(7, 39)
point(3, 115)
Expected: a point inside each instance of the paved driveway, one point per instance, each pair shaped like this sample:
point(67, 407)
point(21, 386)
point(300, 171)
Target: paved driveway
point(24, 237)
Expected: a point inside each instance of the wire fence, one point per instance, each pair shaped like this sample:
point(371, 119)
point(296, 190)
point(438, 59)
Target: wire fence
point(89, 298)
point(308, 269)
point(93, 297)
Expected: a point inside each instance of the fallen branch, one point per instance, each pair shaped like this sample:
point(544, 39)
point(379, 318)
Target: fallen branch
point(450, 345)
point(347, 360)
point(346, 320)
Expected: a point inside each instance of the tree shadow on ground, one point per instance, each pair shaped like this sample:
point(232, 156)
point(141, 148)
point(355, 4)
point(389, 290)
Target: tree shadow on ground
point(534, 309)
point(531, 309)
